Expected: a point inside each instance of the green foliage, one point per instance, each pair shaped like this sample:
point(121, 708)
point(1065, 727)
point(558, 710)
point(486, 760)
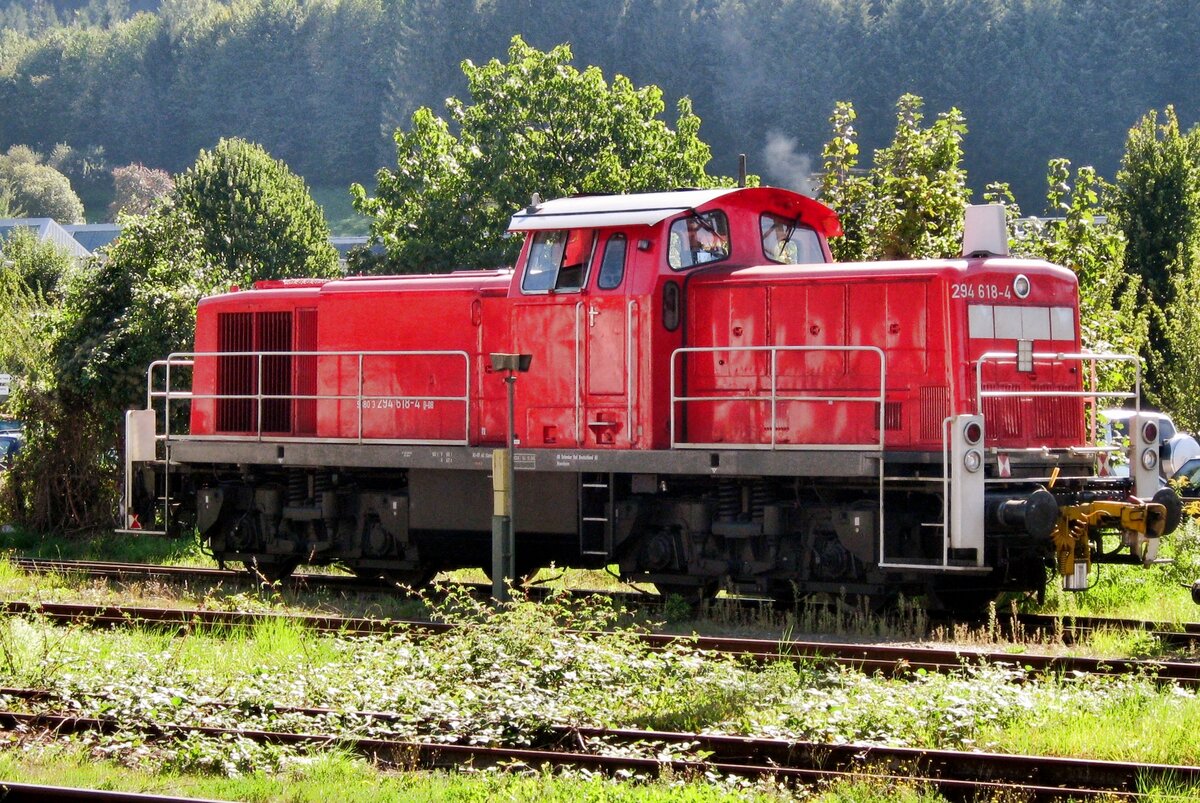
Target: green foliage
point(117, 316)
point(1157, 201)
point(255, 218)
point(910, 204)
point(236, 216)
point(37, 189)
point(134, 307)
point(83, 167)
point(323, 84)
point(844, 187)
point(65, 479)
point(1083, 236)
point(1175, 368)
point(29, 272)
point(36, 266)
point(535, 124)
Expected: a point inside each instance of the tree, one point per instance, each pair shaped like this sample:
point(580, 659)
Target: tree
point(137, 189)
point(1157, 203)
point(8, 207)
point(1158, 200)
point(844, 187)
point(116, 316)
point(1082, 234)
point(254, 216)
point(535, 124)
point(1176, 368)
point(38, 266)
point(910, 204)
point(236, 216)
point(31, 274)
point(36, 188)
point(133, 307)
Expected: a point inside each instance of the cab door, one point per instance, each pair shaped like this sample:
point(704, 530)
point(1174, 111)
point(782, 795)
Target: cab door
point(608, 385)
point(548, 319)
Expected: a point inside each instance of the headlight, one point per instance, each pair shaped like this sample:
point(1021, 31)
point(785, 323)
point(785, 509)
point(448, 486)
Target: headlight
point(1149, 432)
point(1021, 286)
point(972, 460)
point(1150, 458)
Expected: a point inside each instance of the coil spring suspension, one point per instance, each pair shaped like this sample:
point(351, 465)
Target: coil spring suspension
point(760, 496)
point(729, 500)
point(297, 486)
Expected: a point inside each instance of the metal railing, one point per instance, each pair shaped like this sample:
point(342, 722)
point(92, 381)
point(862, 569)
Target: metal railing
point(166, 394)
point(775, 398)
point(1092, 394)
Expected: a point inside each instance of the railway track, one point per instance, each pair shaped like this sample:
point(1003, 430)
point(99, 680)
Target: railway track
point(13, 792)
point(957, 775)
point(1186, 634)
point(1184, 637)
point(298, 581)
point(119, 570)
point(889, 660)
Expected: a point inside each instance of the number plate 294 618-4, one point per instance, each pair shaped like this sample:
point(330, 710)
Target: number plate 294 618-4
point(980, 292)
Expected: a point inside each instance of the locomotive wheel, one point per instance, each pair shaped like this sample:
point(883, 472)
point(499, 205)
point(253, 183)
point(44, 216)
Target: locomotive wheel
point(271, 569)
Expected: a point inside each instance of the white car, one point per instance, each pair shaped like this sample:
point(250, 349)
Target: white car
point(1175, 447)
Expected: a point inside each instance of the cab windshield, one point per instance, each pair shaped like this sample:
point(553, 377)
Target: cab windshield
point(558, 260)
point(786, 241)
point(699, 239)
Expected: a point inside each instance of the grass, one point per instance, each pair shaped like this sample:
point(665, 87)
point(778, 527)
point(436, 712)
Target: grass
point(1154, 729)
point(1156, 593)
point(523, 669)
point(105, 546)
point(502, 683)
point(337, 776)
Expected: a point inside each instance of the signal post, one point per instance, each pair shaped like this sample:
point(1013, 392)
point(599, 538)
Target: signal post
point(504, 482)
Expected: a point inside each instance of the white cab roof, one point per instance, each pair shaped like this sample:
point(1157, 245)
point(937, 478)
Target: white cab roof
point(595, 211)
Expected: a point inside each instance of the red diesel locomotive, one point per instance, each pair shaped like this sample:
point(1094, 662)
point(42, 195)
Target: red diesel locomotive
point(711, 401)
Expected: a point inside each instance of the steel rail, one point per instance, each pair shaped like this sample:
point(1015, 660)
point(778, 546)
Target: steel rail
point(1069, 627)
point(119, 569)
point(737, 756)
point(749, 750)
point(889, 660)
point(14, 792)
point(1182, 634)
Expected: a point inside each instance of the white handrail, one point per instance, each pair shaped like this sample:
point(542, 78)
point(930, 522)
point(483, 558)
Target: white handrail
point(188, 359)
point(774, 397)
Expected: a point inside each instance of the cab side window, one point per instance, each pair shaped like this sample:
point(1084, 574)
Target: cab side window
point(698, 240)
point(612, 267)
point(558, 260)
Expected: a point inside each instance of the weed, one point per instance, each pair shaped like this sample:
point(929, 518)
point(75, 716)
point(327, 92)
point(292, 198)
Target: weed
point(677, 609)
point(31, 652)
point(1133, 643)
point(865, 789)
